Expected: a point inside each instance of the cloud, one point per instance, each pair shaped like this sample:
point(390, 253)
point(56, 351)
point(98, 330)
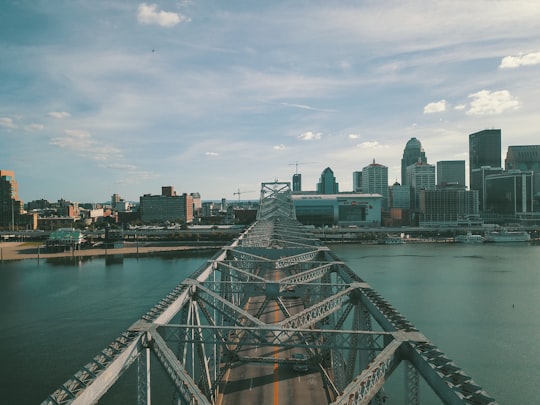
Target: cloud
point(81, 141)
point(59, 114)
point(211, 154)
point(7, 122)
point(436, 107)
point(520, 60)
point(487, 102)
point(460, 107)
point(371, 145)
point(120, 166)
point(353, 136)
point(279, 147)
point(147, 14)
point(306, 107)
point(309, 136)
point(34, 127)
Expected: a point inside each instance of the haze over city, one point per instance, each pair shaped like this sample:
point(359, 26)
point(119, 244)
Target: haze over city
point(102, 97)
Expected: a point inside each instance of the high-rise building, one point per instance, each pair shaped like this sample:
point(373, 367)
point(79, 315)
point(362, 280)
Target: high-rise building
point(166, 207)
point(420, 176)
point(297, 182)
point(451, 172)
point(478, 177)
point(375, 181)
point(413, 153)
point(10, 205)
point(357, 182)
point(448, 207)
point(526, 158)
point(509, 193)
point(484, 150)
point(327, 183)
point(399, 196)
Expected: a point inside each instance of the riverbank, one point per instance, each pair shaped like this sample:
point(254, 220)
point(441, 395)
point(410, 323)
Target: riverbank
point(24, 250)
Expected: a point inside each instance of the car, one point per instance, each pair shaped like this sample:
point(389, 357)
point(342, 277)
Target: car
point(300, 363)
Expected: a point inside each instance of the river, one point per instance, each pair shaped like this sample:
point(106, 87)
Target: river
point(480, 304)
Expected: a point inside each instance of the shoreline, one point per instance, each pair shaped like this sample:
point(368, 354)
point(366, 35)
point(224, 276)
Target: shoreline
point(22, 250)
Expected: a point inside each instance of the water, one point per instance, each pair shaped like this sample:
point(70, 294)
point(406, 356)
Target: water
point(478, 304)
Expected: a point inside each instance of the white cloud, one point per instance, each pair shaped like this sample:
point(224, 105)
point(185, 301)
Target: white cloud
point(353, 136)
point(59, 114)
point(121, 166)
point(371, 145)
point(520, 60)
point(34, 127)
point(81, 141)
point(460, 107)
point(279, 147)
point(435, 107)
point(148, 15)
point(7, 123)
point(309, 136)
point(211, 154)
point(487, 102)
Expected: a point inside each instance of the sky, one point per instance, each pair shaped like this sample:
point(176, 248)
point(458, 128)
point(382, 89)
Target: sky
point(118, 96)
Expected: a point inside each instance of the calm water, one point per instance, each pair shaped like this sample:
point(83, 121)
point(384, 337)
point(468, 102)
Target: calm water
point(478, 304)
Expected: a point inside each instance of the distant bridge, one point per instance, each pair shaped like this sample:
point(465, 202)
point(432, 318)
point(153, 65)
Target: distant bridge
point(274, 317)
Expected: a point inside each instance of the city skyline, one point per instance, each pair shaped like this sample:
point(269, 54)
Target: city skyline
point(123, 97)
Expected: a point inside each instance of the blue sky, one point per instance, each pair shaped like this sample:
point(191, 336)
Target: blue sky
point(116, 96)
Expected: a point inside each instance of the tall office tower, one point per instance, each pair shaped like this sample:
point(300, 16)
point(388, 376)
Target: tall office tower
point(375, 181)
point(10, 205)
point(327, 183)
point(448, 206)
point(451, 172)
point(412, 153)
point(297, 182)
point(197, 204)
point(357, 182)
point(484, 150)
point(420, 176)
point(526, 158)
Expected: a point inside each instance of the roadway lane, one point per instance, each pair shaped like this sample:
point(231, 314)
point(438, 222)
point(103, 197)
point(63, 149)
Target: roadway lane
point(273, 384)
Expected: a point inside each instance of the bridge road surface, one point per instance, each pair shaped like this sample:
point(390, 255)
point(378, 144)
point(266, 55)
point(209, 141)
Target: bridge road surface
point(273, 384)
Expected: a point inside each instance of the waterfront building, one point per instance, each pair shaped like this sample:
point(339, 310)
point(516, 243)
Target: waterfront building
point(526, 158)
point(357, 182)
point(412, 153)
point(375, 181)
point(448, 207)
point(166, 207)
point(297, 183)
point(420, 176)
point(11, 207)
point(484, 150)
point(451, 172)
point(327, 183)
point(509, 194)
point(478, 177)
point(354, 209)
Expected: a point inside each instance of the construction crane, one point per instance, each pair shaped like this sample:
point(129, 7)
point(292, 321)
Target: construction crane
point(300, 163)
point(239, 193)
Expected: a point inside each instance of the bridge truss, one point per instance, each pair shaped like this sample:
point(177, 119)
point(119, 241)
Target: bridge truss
point(210, 322)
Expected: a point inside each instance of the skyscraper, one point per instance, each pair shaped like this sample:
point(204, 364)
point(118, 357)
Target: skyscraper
point(297, 182)
point(357, 182)
point(412, 153)
point(10, 205)
point(484, 150)
point(420, 176)
point(451, 172)
point(375, 181)
point(327, 183)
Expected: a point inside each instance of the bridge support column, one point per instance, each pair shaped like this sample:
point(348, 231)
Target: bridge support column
point(412, 384)
point(143, 378)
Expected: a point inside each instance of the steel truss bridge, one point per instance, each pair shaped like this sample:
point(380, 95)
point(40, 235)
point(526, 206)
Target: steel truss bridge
point(273, 302)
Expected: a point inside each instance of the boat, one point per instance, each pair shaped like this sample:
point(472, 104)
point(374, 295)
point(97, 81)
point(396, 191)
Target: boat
point(505, 235)
point(470, 238)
